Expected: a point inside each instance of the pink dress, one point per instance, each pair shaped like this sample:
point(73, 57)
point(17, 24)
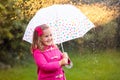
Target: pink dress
point(48, 64)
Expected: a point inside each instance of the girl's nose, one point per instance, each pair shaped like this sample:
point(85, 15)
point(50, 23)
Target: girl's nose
point(50, 38)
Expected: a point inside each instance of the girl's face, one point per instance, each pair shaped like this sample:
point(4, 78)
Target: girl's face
point(46, 38)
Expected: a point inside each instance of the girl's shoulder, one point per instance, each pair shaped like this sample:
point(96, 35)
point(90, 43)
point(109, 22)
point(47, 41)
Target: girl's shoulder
point(53, 47)
point(36, 51)
point(50, 48)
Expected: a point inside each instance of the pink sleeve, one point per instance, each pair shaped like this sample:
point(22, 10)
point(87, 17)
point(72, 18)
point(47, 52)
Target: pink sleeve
point(43, 64)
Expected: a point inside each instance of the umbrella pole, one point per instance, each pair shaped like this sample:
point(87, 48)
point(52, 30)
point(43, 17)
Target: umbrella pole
point(71, 63)
point(62, 47)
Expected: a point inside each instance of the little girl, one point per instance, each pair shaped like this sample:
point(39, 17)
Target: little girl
point(48, 58)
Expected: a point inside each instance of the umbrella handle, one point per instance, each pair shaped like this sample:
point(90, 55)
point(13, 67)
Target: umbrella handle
point(70, 63)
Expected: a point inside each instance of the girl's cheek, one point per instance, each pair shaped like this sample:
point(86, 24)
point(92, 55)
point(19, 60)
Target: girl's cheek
point(46, 39)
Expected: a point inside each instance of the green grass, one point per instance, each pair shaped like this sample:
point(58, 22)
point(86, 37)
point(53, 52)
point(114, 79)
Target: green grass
point(27, 72)
point(102, 66)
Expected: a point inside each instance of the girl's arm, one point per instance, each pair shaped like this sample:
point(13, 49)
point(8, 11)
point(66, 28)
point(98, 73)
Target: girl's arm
point(43, 64)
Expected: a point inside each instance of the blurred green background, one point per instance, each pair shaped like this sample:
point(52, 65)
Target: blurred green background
point(96, 56)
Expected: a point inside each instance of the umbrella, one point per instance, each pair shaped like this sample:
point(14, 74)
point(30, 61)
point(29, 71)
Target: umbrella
point(67, 23)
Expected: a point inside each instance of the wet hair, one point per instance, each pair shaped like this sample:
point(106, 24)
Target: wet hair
point(37, 44)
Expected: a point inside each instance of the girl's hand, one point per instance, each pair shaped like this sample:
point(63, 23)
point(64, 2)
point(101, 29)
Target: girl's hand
point(65, 59)
point(65, 55)
point(63, 62)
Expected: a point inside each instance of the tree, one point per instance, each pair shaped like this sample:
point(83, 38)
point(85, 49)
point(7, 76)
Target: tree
point(118, 27)
point(11, 31)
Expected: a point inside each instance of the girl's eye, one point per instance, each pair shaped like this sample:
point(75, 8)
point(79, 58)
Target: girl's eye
point(46, 36)
point(50, 34)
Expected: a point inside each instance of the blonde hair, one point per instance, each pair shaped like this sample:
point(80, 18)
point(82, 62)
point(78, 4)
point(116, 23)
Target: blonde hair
point(37, 44)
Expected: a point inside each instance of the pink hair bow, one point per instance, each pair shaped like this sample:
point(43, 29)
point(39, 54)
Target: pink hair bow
point(39, 31)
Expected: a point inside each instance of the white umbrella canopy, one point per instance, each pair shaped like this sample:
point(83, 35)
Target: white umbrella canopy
point(66, 21)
